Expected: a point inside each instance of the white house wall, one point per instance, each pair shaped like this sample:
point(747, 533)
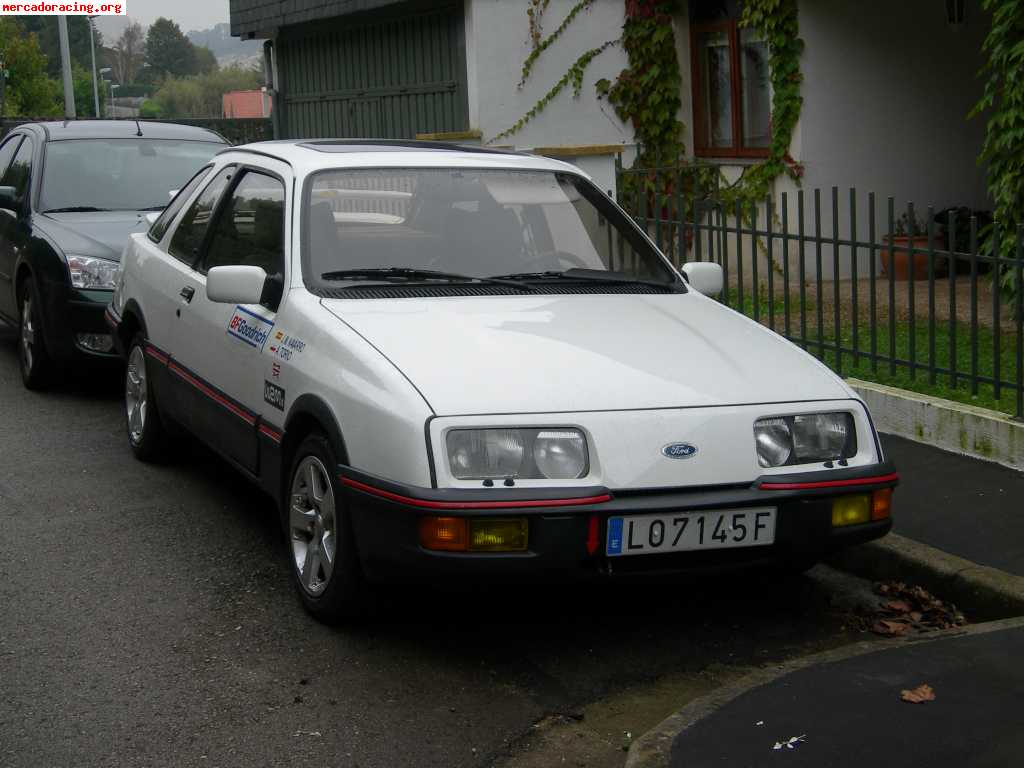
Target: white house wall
point(497, 44)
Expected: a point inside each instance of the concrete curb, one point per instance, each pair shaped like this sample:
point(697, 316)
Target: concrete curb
point(654, 748)
point(987, 593)
point(951, 426)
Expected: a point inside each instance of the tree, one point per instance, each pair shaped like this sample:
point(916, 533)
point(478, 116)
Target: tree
point(128, 54)
point(206, 62)
point(202, 95)
point(168, 50)
point(85, 104)
point(45, 29)
point(29, 90)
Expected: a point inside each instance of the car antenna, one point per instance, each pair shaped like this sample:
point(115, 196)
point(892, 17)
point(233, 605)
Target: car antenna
point(139, 127)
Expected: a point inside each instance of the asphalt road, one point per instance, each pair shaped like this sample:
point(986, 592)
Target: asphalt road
point(146, 620)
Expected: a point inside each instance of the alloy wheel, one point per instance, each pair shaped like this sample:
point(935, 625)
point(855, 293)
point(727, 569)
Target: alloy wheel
point(313, 525)
point(28, 333)
point(136, 394)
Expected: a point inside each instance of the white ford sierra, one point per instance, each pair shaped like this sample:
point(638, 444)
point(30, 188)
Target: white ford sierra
point(458, 362)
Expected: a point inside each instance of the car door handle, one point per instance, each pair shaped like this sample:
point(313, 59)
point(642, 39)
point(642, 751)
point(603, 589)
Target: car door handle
point(187, 293)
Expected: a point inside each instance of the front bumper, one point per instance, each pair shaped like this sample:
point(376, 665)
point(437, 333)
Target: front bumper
point(67, 312)
point(566, 544)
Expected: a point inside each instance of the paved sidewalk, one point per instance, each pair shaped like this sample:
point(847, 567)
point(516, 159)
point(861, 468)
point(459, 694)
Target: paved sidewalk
point(851, 715)
point(964, 506)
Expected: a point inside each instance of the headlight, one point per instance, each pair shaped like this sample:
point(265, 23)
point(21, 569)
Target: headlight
point(87, 272)
point(482, 454)
point(804, 439)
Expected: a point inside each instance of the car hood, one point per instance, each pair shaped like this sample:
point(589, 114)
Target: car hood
point(543, 354)
point(102, 234)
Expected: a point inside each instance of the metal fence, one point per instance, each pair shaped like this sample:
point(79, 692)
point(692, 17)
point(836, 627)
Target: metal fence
point(874, 294)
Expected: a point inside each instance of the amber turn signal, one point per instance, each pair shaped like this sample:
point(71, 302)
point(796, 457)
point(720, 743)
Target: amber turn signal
point(445, 534)
point(881, 504)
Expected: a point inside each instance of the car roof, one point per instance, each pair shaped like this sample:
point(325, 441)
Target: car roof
point(118, 129)
point(309, 155)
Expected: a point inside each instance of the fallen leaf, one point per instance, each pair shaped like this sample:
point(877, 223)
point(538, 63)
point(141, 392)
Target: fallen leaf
point(918, 695)
point(899, 606)
point(890, 627)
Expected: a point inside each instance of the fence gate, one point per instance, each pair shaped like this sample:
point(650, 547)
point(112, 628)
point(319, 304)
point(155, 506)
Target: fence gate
point(388, 76)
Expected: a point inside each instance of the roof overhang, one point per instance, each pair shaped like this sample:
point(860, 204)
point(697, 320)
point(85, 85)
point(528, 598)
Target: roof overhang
point(260, 18)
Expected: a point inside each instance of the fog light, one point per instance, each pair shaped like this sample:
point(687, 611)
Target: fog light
point(447, 534)
point(881, 504)
point(96, 342)
point(498, 534)
point(851, 510)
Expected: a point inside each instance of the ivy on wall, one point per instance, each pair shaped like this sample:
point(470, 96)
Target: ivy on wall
point(777, 21)
point(1003, 150)
point(647, 93)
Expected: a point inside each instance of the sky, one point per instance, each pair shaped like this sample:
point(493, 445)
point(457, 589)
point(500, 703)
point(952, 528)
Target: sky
point(189, 14)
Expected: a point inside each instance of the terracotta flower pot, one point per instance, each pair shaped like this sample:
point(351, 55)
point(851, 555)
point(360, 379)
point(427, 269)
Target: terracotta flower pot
point(903, 268)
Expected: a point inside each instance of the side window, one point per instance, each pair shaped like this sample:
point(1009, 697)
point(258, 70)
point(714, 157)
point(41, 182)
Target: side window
point(7, 152)
point(250, 229)
point(20, 171)
point(188, 237)
point(159, 228)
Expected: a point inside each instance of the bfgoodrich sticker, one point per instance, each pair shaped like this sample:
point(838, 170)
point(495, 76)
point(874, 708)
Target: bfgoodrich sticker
point(273, 394)
point(249, 327)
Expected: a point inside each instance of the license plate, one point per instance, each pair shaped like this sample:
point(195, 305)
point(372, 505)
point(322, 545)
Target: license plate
point(683, 531)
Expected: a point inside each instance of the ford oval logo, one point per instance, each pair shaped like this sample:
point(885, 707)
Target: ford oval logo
point(679, 450)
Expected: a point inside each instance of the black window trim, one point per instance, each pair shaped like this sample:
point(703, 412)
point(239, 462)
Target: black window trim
point(200, 249)
point(28, 201)
point(242, 170)
point(15, 137)
point(170, 225)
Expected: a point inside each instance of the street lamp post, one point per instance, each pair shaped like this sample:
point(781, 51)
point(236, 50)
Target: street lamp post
point(110, 107)
point(95, 86)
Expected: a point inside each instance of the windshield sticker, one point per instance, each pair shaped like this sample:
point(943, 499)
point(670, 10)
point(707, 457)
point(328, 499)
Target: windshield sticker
point(273, 394)
point(250, 327)
point(284, 346)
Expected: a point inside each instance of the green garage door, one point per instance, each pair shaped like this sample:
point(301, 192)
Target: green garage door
point(386, 77)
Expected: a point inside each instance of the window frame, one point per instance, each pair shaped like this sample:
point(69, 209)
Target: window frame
point(25, 202)
point(243, 170)
point(214, 213)
point(15, 139)
point(173, 214)
point(701, 146)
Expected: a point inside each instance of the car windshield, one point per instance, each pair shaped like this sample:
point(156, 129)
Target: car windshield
point(119, 174)
point(526, 225)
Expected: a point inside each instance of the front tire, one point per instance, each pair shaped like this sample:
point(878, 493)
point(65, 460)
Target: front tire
point(36, 366)
point(146, 434)
point(318, 534)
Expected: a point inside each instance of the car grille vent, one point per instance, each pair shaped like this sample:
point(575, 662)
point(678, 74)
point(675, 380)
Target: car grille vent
point(442, 291)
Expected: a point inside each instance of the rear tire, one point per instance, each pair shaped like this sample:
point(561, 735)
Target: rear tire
point(36, 365)
point(146, 434)
point(318, 536)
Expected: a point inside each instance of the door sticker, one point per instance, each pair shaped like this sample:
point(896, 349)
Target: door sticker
point(284, 345)
point(273, 394)
point(249, 327)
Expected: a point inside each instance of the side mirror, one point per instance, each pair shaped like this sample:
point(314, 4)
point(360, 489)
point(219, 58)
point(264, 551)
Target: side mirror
point(152, 216)
point(705, 277)
point(171, 193)
point(9, 199)
point(235, 284)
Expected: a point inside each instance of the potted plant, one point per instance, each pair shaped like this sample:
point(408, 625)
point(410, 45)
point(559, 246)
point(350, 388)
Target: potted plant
point(898, 249)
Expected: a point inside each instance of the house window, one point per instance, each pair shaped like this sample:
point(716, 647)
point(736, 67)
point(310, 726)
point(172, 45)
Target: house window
point(731, 85)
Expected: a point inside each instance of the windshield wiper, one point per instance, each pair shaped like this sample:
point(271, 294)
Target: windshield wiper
point(76, 209)
point(590, 275)
point(411, 275)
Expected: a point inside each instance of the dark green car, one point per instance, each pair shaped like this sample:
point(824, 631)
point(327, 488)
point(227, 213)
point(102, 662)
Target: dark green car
point(70, 195)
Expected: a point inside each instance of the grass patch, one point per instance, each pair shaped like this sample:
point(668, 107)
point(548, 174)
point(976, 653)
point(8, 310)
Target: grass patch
point(919, 379)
